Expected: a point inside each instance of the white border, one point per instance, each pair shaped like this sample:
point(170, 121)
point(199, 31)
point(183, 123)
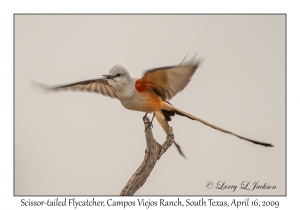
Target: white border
point(8, 8)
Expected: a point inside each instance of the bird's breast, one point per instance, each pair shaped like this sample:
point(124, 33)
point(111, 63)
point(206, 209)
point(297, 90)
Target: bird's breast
point(146, 101)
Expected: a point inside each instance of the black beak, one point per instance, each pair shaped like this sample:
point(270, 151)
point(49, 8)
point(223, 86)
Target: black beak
point(108, 76)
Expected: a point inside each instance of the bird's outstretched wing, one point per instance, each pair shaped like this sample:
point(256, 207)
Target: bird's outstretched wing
point(96, 85)
point(166, 82)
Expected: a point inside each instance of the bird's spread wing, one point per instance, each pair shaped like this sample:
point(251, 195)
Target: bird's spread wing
point(96, 85)
point(166, 82)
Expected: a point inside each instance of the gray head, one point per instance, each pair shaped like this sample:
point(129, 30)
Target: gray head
point(118, 76)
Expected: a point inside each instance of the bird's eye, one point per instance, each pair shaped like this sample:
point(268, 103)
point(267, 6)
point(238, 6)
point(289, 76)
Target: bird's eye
point(118, 75)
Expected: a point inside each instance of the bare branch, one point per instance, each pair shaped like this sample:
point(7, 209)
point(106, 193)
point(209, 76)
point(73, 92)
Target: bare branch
point(152, 153)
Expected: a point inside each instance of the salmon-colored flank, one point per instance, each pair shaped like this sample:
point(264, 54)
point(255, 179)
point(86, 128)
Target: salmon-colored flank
point(144, 88)
point(141, 85)
point(155, 102)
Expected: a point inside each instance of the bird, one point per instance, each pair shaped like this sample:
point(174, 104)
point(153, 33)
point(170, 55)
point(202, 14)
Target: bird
point(150, 93)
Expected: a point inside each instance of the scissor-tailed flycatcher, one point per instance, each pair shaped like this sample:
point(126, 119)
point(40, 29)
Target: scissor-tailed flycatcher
point(148, 94)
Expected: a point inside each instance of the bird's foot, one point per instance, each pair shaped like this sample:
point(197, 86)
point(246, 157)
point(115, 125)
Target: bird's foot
point(150, 125)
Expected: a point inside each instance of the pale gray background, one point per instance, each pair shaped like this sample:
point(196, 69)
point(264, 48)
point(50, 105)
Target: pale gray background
point(72, 143)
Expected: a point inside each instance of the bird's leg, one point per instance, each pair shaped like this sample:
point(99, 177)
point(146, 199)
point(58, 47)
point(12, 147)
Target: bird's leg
point(145, 115)
point(146, 122)
point(149, 123)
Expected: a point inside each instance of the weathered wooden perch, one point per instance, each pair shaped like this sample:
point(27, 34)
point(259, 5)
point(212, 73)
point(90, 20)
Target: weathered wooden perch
point(152, 153)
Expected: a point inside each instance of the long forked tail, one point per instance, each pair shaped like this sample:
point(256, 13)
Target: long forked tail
point(182, 113)
point(171, 111)
point(164, 124)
